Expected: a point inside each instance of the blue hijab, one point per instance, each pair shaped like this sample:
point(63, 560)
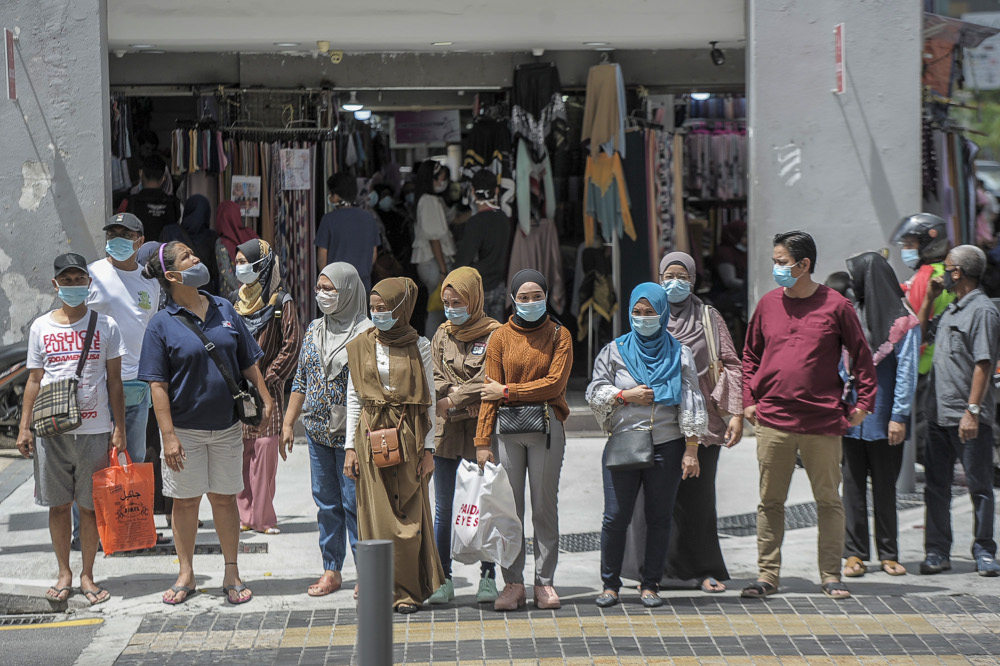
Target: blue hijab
point(655, 361)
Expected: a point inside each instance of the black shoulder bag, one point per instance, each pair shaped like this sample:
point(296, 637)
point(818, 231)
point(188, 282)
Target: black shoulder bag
point(249, 405)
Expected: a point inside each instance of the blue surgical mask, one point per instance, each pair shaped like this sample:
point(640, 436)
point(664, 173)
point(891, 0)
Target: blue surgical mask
point(911, 258)
point(457, 316)
point(383, 320)
point(196, 276)
point(783, 276)
point(409, 198)
point(646, 326)
point(530, 311)
point(386, 203)
point(372, 199)
point(73, 296)
point(246, 274)
point(677, 290)
point(120, 249)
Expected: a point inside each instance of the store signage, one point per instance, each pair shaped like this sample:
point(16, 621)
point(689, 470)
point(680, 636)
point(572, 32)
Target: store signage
point(8, 39)
point(838, 59)
point(425, 128)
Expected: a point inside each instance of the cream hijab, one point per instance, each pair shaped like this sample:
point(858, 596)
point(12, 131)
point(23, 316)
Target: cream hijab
point(332, 332)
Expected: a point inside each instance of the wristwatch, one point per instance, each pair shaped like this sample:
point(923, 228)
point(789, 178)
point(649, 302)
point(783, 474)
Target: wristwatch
point(973, 409)
point(620, 398)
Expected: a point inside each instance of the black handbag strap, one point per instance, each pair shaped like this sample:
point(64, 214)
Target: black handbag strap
point(234, 388)
point(87, 341)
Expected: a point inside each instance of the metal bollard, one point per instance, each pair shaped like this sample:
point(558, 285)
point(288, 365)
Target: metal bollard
point(907, 483)
point(375, 591)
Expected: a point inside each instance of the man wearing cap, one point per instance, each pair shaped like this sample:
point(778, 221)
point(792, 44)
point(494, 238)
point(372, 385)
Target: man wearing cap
point(64, 464)
point(484, 243)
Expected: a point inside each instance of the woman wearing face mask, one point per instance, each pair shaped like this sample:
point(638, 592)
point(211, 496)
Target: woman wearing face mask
point(202, 447)
point(459, 349)
point(433, 246)
point(392, 388)
point(694, 552)
point(528, 361)
point(269, 314)
point(646, 379)
point(320, 388)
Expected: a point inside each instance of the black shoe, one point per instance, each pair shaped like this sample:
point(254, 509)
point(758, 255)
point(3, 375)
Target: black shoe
point(75, 544)
point(934, 564)
point(606, 600)
point(651, 599)
point(406, 609)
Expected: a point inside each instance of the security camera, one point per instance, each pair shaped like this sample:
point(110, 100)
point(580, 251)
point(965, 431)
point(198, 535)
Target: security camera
point(718, 56)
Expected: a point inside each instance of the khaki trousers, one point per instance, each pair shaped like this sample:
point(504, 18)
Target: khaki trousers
point(821, 456)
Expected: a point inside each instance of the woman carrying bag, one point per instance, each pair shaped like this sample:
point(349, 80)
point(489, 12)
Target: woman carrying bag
point(269, 314)
point(528, 361)
point(390, 439)
point(645, 393)
point(459, 349)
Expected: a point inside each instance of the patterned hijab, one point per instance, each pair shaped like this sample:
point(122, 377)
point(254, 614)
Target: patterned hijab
point(400, 295)
point(256, 301)
point(332, 332)
point(469, 285)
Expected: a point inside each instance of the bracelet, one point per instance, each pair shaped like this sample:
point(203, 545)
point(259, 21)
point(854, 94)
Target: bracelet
point(691, 444)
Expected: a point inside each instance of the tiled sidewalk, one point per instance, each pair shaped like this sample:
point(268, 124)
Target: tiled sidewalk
point(726, 630)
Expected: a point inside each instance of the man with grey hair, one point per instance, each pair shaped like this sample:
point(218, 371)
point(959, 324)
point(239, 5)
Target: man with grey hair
point(960, 406)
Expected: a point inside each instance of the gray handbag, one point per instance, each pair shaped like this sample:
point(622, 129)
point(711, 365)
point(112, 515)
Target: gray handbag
point(630, 449)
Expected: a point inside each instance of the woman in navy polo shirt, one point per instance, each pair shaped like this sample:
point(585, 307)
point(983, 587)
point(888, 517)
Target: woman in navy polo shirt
point(202, 438)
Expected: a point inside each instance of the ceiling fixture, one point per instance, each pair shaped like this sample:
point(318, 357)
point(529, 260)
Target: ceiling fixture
point(700, 97)
point(442, 43)
point(353, 104)
point(142, 46)
point(718, 56)
point(363, 114)
point(286, 45)
point(605, 48)
point(595, 43)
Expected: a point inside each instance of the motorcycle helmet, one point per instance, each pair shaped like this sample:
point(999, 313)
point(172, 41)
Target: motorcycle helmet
point(930, 232)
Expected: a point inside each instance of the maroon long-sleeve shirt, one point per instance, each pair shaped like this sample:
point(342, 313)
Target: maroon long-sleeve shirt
point(791, 357)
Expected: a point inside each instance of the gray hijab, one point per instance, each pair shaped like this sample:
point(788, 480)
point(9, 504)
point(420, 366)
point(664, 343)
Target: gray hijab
point(686, 317)
point(332, 332)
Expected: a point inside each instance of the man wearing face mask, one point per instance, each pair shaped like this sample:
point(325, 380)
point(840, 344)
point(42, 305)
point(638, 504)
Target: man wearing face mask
point(792, 394)
point(960, 408)
point(348, 233)
point(485, 241)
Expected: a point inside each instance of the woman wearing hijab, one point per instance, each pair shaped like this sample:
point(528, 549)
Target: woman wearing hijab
point(269, 314)
point(196, 223)
point(232, 233)
point(874, 448)
point(319, 393)
point(694, 552)
point(459, 349)
point(392, 388)
point(646, 380)
point(528, 361)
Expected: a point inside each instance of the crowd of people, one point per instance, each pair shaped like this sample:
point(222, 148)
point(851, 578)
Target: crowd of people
point(828, 375)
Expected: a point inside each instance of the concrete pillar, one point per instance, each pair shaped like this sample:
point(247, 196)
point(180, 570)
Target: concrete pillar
point(844, 168)
point(55, 184)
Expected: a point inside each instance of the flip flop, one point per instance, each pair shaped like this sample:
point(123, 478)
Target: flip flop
point(188, 593)
point(237, 588)
point(889, 565)
point(758, 589)
point(96, 594)
point(713, 584)
point(854, 567)
point(324, 586)
point(835, 586)
point(58, 591)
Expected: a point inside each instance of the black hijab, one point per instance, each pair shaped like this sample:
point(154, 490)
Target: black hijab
point(522, 278)
point(885, 316)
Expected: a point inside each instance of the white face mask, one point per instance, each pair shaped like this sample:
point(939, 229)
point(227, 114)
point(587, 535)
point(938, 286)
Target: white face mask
point(327, 301)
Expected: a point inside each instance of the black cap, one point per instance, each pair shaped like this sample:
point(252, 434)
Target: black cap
point(127, 220)
point(484, 180)
point(64, 262)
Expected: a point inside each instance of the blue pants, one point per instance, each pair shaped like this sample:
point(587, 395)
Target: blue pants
point(659, 485)
point(136, 418)
point(445, 471)
point(338, 508)
point(943, 448)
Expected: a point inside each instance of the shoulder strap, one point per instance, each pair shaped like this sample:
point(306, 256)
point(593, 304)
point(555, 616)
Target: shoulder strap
point(87, 341)
point(711, 333)
point(555, 339)
point(213, 352)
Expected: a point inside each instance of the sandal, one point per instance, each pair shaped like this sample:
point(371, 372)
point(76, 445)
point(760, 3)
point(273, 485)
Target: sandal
point(713, 586)
point(325, 585)
point(94, 596)
point(177, 589)
point(758, 589)
point(58, 596)
point(406, 609)
point(270, 530)
point(238, 588)
point(355, 592)
point(855, 567)
point(245, 528)
point(893, 568)
point(835, 586)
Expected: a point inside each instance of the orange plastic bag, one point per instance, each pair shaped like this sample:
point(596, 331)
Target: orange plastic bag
point(123, 502)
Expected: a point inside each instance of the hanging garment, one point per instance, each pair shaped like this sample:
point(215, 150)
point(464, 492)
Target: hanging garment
point(606, 199)
point(597, 289)
point(540, 251)
point(536, 197)
point(537, 108)
point(488, 146)
point(604, 112)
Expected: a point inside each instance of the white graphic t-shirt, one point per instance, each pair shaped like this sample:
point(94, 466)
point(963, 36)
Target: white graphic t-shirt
point(131, 300)
point(56, 348)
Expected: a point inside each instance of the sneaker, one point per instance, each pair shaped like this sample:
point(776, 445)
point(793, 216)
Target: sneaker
point(487, 593)
point(934, 564)
point(511, 598)
point(546, 597)
point(443, 594)
point(987, 566)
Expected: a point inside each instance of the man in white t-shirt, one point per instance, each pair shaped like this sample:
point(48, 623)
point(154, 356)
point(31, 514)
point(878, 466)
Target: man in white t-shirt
point(64, 464)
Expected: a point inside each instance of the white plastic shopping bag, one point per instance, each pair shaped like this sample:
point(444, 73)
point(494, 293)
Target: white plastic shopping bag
point(485, 525)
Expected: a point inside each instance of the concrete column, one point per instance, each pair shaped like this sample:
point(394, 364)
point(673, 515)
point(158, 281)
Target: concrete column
point(844, 168)
point(55, 184)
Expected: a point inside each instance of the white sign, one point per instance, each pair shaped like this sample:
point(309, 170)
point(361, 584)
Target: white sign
point(296, 168)
point(245, 193)
point(982, 64)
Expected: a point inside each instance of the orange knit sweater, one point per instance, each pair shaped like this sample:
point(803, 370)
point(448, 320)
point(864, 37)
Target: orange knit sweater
point(534, 363)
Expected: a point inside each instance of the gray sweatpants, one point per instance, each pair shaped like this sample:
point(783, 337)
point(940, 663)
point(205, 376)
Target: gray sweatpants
point(526, 454)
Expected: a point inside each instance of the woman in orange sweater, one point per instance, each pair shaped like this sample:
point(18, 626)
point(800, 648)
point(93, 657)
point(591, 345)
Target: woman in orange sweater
point(528, 361)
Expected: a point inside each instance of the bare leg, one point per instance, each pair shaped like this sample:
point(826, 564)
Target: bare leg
point(185, 528)
point(88, 545)
point(227, 527)
point(61, 531)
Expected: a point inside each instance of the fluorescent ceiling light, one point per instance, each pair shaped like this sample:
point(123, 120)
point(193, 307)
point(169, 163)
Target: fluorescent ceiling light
point(353, 104)
point(700, 97)
point(442, 43)
point(595, 43)
point(142, 46)
point(605, 48)
point(286, 44)
point(363, 114)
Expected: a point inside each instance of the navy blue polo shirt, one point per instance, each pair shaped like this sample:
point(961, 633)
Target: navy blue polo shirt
point(172, 353)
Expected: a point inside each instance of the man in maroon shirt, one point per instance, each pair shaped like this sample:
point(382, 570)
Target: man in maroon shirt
point(792, 394)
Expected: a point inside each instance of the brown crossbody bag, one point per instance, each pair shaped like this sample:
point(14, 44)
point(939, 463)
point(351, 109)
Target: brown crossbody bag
point(386, 451)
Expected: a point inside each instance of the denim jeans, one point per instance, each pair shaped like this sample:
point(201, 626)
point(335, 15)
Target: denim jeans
point(659, 485)
point(136, 418)
point(338, 509)
point(943, 448)
point(445, 472)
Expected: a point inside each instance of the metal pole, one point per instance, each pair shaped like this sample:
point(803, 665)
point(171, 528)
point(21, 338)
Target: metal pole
point(375, 584)
point(907, 481)
point(616, 280)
